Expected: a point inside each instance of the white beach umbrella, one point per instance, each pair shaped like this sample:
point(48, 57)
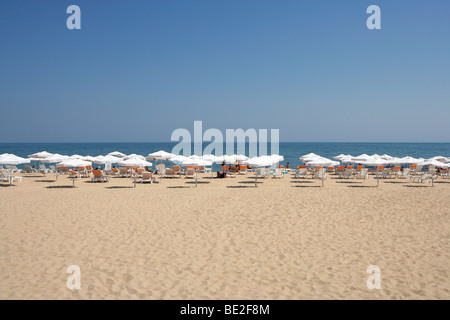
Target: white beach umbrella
point(323, 162)
point(40, 155)
point(54, 158)
point(76, 156)
point(12, 159)
point(386, 157)
point(230, 158)
point(160, 155)
point(135, 162)
point(347, 159)
point(408, 160)
point(241, 157)
point(134, 155)
point(375, 162)
point(73, 163)
point(111, 159)
point(89, 158)
point(362, 157)
point(341, 156)
point(107, 159)
point(277, 157)
point(439, 158)
point(433, 162)
point(212, 158)
point(178, 159)
point(117, 154)
point(3, 155)
point(263, 161)
point(309, 155)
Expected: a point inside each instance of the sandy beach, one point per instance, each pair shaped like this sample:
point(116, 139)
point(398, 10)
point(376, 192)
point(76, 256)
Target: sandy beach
point(285, 239)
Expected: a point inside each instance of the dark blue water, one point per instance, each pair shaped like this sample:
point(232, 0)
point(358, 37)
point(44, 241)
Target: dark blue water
point(290, 150)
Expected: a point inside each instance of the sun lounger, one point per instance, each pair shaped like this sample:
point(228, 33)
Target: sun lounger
point(404, 174)
point(177, 170)
point(160, 168)
point(347, 174)
point(147, 177)
point(242, 169)
point(73, 174)
point(320, 174)
point(278, 173)
point(169, 173)
point(362, 174)
point(190, 173)
point(301, 173)
point(123, 173)
point(12, 169)
point(99, 176)
point(43, 169)
point(28, 169)
point(386, 173)
point(6, 176)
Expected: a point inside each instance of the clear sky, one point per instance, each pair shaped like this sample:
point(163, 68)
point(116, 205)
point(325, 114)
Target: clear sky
point(137, 70)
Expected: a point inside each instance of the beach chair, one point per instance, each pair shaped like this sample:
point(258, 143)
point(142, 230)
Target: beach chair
point(339, 170)
point(379, 170)
point(201, 169)
point(12, 169)
point(416, 169)
point(6, 176)
point(260, 173)
point(51, 169)
point(42, 168)
point(363, 174)
point(73, 174)
point(123, 172)
point(99, 176)
point(139, 172)
point(404, 174)
point(28, 169)
point(330, 169)
point(386, 173)
point(147, 177)
point(114, 171)
point(177, 170)
point(278, 173)
point(160, 168)
point(190, 173)
point(63, 170)
point(242, 169)
point(347, 174)
point(320, 174)
point(169, 173)
point(301, 173)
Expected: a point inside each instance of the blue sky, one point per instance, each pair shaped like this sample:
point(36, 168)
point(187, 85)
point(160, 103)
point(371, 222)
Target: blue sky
point(137, 70)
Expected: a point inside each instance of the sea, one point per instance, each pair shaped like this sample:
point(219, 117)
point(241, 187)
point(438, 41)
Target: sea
point(292, 151)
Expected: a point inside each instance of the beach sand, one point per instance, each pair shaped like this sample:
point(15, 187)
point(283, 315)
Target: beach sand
point(285, 239)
